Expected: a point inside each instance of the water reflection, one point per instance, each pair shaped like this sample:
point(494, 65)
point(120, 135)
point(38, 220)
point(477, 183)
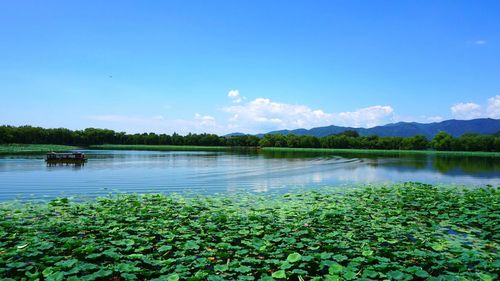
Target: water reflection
point(233, 171)
point(452, 165)
point(65, 165)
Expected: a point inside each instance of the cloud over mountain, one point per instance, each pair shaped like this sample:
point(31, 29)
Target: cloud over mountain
point(264, 114)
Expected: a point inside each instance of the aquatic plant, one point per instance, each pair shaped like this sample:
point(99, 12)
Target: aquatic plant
point(33, 148)
point(407, 231)
point(159, 147)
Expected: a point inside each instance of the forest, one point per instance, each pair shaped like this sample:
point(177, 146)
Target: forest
point(346, 140)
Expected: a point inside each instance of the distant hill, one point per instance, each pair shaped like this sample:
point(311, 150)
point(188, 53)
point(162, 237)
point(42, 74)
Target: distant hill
point(408, 129)
point(237, 134)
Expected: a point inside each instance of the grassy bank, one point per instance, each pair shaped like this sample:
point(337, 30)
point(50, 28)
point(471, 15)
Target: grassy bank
point(33, 148)
point(159, 147)
point(43, 148)
point(387, 152)
point(400, 232)
point(286, 149)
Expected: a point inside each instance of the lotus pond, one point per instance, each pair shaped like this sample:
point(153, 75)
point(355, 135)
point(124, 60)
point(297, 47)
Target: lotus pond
point(408, 231)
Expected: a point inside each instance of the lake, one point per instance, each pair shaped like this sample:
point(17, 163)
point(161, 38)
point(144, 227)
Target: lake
point(28, 177)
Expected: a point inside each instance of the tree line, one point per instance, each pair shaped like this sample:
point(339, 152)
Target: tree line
point(345, 140)
point(351, 140)
point(95, 136)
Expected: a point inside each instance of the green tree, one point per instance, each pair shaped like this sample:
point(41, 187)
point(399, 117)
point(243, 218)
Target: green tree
point(418, 142)
point(442, 141)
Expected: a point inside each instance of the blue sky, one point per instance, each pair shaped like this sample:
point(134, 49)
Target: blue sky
point(246, 66)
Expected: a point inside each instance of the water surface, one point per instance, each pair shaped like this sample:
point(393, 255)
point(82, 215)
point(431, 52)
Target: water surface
point(28, 177)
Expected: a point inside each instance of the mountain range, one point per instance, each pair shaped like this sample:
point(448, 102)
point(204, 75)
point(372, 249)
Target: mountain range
point(405, 129)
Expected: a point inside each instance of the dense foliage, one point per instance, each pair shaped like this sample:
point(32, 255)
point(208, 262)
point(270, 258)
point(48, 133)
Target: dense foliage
point(402, 232)
point(93, 136)
point(351, 140)
point(345, 140)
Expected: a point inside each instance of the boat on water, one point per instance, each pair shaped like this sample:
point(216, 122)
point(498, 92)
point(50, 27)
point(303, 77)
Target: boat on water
point(71, 157)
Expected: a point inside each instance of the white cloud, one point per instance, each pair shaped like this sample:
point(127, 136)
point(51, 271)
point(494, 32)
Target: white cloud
point(262, 114)
point(205, 120)
point(466, 110)
point(366, 117)
point(235, 96)
point(480, 42)
point(493, 110)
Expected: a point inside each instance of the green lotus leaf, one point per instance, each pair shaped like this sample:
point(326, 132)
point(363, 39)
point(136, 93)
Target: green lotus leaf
point(221, 267)
point(335, 268)
point(173, 277)
point(396, 275)
point(280, 274)
point(295, 257)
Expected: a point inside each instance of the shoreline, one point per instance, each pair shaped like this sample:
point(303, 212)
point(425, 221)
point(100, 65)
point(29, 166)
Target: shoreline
point(287, 149)
point(16, 149)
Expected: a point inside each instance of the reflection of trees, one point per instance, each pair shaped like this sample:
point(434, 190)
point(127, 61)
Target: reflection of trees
point(414, 160)
point(294, 154)
point(408, 163)
point(470, 165)
point(442, 164)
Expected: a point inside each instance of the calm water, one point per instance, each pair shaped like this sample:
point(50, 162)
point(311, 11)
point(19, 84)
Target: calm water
point(28, 177)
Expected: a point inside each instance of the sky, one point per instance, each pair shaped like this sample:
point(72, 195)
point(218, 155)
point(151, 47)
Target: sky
point(246, 66)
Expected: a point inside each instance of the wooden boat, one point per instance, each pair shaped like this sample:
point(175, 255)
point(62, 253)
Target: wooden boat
point(72, 157)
